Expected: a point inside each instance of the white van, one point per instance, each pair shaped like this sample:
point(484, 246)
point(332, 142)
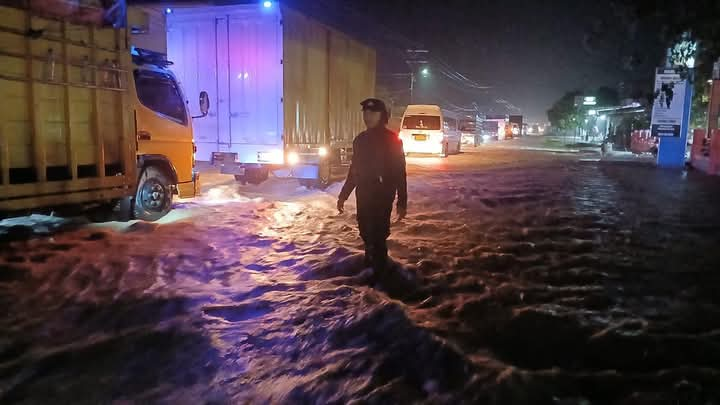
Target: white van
point(422, 130)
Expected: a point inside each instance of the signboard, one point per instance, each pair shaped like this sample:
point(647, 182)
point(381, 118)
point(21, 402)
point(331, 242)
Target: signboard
point(104, 13)
point(668, 108)
point(585, 100)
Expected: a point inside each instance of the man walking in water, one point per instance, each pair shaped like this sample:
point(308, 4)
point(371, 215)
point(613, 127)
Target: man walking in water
point(377, 174)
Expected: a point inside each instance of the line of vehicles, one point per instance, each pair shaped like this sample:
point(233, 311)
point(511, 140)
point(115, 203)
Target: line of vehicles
point(96, 114)
point(94, 122)
point(432, 130)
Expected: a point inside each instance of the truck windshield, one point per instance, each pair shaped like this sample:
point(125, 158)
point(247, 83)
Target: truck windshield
point(160, 93)
point(421, 122)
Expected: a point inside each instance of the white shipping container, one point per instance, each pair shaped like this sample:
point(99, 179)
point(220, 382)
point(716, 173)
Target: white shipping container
point(234, 53)
point(285, 89)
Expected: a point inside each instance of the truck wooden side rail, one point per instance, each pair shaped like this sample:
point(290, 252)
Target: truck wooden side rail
point(66, 125)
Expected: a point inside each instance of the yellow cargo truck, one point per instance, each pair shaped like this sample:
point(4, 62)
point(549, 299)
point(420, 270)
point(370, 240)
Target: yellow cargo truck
point(163, 125)
point(84, 122)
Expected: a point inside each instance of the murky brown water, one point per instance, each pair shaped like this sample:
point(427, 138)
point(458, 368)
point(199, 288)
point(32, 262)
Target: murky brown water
point(542, 282)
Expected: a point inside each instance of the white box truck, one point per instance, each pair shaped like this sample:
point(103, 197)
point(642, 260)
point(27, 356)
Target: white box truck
point(287, 89)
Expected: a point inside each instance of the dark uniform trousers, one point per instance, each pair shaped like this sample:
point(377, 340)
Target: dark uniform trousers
point(373, 215)
point(377, 174)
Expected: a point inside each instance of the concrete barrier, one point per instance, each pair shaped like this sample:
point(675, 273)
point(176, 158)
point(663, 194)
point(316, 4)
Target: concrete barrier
point(696, 152)
point(715, 152)
point(641, 141)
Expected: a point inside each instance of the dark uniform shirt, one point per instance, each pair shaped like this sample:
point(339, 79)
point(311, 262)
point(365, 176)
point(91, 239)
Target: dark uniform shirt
point(377, 174)
point(377, 169)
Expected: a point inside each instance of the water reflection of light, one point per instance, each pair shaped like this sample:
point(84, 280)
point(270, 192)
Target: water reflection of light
point(284, 216)
point(598, 196)
point(215, 193)
point(425, 161)
point(222, 195)
point(432, 163)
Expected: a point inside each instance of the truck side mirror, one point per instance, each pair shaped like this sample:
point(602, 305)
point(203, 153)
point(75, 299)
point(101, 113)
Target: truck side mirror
point(204, 104)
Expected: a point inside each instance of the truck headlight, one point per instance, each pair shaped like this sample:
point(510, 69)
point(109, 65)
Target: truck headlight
point(293, 158)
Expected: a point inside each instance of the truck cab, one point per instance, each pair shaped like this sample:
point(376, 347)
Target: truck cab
point(165, 143)
point(89, 122)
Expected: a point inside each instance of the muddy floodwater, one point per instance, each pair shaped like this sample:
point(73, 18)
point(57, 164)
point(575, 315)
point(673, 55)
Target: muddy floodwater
point(521, 277)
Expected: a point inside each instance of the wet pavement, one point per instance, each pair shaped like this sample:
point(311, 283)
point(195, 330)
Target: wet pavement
point(522, 275)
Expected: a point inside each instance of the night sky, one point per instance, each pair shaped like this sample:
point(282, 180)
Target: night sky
point(529, 51)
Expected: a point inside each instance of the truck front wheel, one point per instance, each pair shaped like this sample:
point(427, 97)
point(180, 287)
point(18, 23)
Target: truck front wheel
point(324, 178)
point(154, 195)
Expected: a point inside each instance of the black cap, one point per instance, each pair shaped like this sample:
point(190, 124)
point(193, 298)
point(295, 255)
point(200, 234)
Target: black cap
point(374, 104)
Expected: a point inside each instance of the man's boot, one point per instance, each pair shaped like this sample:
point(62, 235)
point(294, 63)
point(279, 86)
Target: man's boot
point(368, 260)
point(379, 258)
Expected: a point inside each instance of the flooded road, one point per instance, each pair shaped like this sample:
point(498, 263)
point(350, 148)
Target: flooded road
point(521, 276)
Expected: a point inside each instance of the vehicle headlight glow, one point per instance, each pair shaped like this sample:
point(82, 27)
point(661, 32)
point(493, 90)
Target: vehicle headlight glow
point(277, 155)
point(293, 158)
point(322, 151)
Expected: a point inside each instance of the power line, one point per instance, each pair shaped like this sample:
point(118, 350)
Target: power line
point(382, 35)
point(402, 43)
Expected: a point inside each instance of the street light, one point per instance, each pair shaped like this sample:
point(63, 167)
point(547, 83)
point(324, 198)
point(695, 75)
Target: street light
point(425, 72)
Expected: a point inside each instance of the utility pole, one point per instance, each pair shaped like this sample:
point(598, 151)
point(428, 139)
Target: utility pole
point(413, 60)
point(412, 85)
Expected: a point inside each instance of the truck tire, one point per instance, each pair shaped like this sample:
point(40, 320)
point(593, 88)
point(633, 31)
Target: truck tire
point(323, 180)
point(254, 176)
point(324, 175)
point(154, 195)
point(241, 179)
point(259, 176)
